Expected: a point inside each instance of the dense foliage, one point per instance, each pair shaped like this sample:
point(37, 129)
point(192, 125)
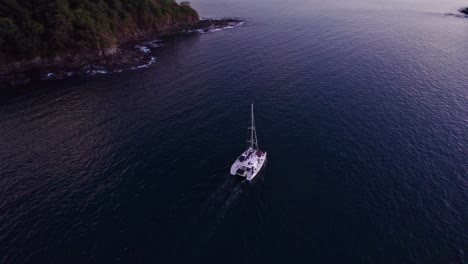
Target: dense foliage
point(45, 28)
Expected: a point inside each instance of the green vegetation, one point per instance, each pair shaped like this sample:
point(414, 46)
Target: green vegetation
point(47, 28)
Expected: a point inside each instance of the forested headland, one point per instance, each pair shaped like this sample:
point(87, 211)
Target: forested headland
point(42, 28)
point(41, 36)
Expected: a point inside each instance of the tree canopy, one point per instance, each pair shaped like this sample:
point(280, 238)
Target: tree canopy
point(44, 28)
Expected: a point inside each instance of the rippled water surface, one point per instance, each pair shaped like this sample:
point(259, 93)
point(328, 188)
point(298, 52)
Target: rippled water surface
point(362, 106)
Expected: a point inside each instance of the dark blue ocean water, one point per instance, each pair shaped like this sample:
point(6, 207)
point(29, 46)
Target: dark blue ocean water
point(362, 106)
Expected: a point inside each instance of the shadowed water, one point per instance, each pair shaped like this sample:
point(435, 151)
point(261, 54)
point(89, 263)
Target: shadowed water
point(362, 106)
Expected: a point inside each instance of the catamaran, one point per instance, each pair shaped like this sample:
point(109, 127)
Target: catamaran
point(249, 163)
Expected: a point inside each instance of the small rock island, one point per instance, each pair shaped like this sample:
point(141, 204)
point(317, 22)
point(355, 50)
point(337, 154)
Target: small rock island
point(464, 11)
point(60, 38)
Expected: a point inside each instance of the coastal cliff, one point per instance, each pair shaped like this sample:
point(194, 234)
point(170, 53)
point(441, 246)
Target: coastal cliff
point(36, 35)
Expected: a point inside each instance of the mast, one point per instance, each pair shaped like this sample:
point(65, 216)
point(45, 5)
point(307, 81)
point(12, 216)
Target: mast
point(253, 133)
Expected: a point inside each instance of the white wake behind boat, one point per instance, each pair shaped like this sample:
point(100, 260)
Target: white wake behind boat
point(250, 162)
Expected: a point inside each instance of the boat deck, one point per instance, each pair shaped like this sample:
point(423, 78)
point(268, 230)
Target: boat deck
point(249, 163)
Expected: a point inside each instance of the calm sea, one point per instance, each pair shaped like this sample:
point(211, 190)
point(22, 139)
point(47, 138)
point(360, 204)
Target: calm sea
point(362, 106)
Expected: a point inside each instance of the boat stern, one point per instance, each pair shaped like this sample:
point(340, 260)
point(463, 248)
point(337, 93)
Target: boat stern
point(240, 172)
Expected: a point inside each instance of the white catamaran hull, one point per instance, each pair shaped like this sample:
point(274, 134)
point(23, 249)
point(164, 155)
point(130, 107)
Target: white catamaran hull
point(249, 164)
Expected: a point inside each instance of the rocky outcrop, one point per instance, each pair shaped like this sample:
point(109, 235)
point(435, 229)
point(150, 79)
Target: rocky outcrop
point(464, 10)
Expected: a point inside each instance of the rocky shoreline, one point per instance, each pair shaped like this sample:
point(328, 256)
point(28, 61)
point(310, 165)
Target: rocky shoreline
point(132, 54)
